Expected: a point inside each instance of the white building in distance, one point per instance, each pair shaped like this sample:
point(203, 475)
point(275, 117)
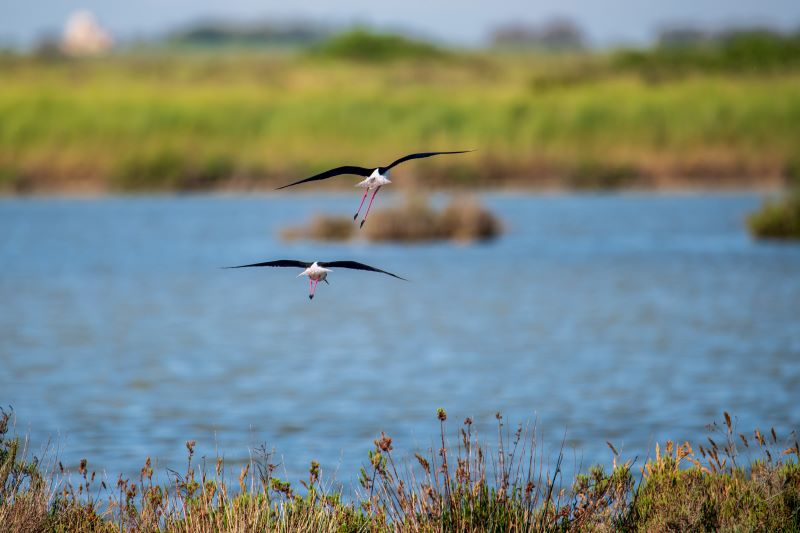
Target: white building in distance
point(84, 36)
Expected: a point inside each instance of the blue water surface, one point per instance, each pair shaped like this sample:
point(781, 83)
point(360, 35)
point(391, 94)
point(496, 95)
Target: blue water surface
point(622, 318)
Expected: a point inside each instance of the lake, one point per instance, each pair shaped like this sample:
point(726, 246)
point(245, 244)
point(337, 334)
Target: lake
point(629, 318)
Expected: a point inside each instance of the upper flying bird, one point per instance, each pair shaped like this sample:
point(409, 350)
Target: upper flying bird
point(317, 270)
point(377, 177)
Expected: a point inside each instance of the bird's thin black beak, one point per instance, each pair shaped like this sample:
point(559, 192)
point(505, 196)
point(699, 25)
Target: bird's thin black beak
point(310, 296)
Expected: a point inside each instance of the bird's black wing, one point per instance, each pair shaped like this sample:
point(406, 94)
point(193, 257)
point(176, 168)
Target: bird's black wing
point(338, 171)
point(278, 263)
point(357, 266)
point(424, 154)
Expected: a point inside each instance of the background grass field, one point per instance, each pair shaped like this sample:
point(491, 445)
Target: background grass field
point(244, 118)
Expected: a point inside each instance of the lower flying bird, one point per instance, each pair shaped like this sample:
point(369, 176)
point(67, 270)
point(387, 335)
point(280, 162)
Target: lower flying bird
point(376, 177)
point(317, 271)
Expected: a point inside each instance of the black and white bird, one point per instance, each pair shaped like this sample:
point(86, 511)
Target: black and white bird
point(376, 177)
point(317, 271)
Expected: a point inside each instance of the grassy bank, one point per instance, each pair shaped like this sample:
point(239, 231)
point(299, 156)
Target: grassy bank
point(744, 482)
point(178, 121)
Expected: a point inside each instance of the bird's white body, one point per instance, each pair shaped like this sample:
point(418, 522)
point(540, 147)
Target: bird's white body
point(375, 180)
point(315, 272)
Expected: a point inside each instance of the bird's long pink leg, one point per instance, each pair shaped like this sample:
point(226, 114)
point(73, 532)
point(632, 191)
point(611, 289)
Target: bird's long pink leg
point(366, 190)
point(370, 205)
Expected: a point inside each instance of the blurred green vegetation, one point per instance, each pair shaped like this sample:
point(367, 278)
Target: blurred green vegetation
point(756, 51)
point(170, 170)
point(362, 44)
point(778, 219)
point(166, 119)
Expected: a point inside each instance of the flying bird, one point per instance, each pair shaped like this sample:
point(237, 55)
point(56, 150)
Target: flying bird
point(376, 177)
point(317, 271)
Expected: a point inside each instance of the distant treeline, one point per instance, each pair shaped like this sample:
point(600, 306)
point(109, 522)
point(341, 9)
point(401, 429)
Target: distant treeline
point(676, 51)
point(554, 35)
point(361, 44)
point(731, 50)
point(218, 33)
point(358, 43)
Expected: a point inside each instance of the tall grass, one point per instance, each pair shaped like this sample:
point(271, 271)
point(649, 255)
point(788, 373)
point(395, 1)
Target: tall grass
point(734, 482)
point(181, 121)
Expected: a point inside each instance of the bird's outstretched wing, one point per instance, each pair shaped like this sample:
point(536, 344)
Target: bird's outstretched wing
point(338, 171)
point(278, 263)
point(424, 154)
point(356, 266)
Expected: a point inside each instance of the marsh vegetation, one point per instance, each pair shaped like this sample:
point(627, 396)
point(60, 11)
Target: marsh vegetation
point(734, 481)
point(724, 114)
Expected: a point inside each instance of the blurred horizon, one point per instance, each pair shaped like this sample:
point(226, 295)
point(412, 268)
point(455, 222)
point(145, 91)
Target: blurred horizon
point(626, 24)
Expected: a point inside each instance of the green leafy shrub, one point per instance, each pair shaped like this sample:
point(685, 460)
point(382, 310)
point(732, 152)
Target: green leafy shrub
point(363, 45)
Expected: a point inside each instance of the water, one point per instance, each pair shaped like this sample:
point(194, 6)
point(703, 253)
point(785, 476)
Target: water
point(630, 318)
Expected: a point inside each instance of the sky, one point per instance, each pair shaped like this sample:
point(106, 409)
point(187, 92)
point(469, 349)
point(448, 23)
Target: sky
point(464, 22)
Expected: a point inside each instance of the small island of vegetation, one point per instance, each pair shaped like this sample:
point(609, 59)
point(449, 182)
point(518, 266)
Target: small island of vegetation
point(462, 219)
point(780, 218)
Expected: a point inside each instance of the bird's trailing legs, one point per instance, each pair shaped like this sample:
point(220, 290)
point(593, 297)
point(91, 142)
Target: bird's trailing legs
point(370, 205)
point(366, 190)
point(312, 284)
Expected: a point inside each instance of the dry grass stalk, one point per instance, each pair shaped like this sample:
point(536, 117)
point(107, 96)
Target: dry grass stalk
point(465, 487)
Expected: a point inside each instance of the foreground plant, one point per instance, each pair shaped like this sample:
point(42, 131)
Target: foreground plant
point(741, 483)
point(734, 482)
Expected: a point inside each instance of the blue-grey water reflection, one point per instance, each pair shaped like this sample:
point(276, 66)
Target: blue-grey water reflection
point(624, 318)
